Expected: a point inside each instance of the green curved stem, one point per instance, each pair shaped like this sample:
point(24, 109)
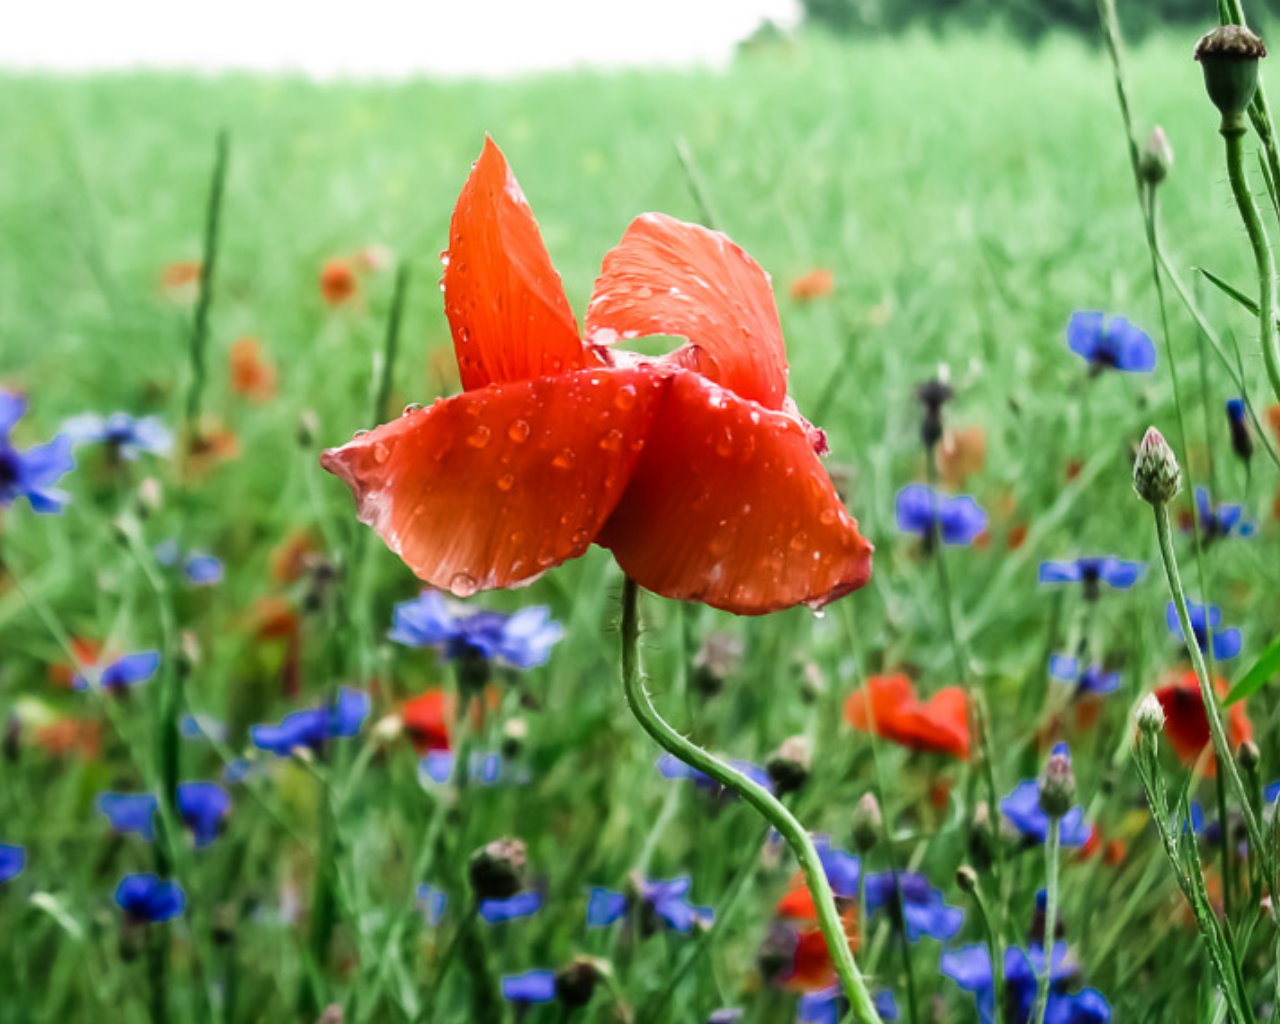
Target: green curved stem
point(1233, 134)
point(1050, 917)
point(860, 1003)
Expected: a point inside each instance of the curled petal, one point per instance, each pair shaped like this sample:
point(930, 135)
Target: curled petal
point(506, 306)
point(492, 487)
point(669, 277)
point(730, 506)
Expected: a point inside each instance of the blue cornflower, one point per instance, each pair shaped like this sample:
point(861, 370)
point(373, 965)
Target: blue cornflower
point(200, 568)
point(841, 868)
point(126, 436)
point(1226, 643)
point(203, 807)
point(672, 767)
point(130, 812)
point(1022, 810)
point(725, 1015)
point(1272, 793)
point(437, 766)
point(115, 676)
point(31, 474)
point(970, 968)
point(1235, 410)
point(522, 640)
point(529, 987)
point(522, 904)
point(13, 859)
point(828, 1006)
point(432, 902)
point(1238, 423)
point(1092, 572)
point(312, 727)
point(1116, 344)
point(921, 510)
point(910, 898)
point(1221, 520)
point(148, 898)
point(201, 727)
point(666, 900)
point(1091, 679)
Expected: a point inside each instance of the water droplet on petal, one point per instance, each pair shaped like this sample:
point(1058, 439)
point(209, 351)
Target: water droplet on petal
point(828, 516)
point(799, 541)
point(612, 440)
point(412, 407)
point(380, 453)
point(626, 397)
point(359, 433)
point(462, 585)
point(564, 459)
point(506, 481)
point(479, 437)
point(518, 431)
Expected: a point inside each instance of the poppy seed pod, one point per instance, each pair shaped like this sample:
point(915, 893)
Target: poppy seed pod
point(497, 869)
point(1229, 55)
point(1156, 475)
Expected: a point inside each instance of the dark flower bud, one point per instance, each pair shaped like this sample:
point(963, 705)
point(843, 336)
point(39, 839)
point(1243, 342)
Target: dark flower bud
point(981, 839)
point(576, 981)
point(1058, 786)
point(777, 952)
point(497, 870)
point(1156, 475)
point(933, 395)
point(1241, 437)
point(967, 879)
point(515, 731)
point(12, 739)
point(308, 428)
point(1156, 157)
point(1229, 55)
point(1249, 756)
point(789, 765)
point(867, 823)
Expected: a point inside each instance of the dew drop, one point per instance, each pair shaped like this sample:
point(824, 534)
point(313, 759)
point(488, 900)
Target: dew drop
point(799, 541)
point(828, 516)
point(644, 292)
point(612, 440)
point(506, 481)
point(359, 433)
point(564, 459)
point(479, 437)
point(380, 453)
point(819, 613)
point(579, 538)
point(626, 397)
point(462, 585)
point(518, 431)
point(412, 407)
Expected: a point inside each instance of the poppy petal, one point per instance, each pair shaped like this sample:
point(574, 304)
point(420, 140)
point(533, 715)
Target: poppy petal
point(492, 487)
point(669, 277)
point(730, 506)
point(506, 306)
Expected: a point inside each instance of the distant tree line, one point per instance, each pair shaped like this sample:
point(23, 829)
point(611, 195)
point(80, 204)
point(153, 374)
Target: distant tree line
point(1028, 18)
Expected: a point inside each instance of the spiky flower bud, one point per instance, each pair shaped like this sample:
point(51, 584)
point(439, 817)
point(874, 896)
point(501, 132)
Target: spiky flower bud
point(1156, 475)
point(1149, 716)
point(867, 823)
point(515, 731)
point(967, 878)
point(1058, 785)
point(789, 766)
point(497, 869)
point(1229, 55)
point(576, 981)
point(933, 395)
point(1156, 158)
point(1249, 756)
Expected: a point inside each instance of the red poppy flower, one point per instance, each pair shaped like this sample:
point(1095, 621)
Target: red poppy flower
point(252, 374)
point(180, 281)
point(811, 967)
point(816, 284)
point(87, 652)
point(66, 736)
point(426, 720)
point(338, 282)
point(694, 469)
point(939, 726)
point(1186, 725)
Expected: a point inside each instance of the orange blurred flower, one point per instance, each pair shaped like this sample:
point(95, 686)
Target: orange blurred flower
point(214, 444)
point(87, 652)
point(290, 559)
point(274, 619)
point(1273, 418)
point(426, 720)
point(71, 736)
point(816, 284)
point(252, 375)
point(180, 281)
point(1187, 726)
point(961, 454)
point(338, 282)
point(938, 726)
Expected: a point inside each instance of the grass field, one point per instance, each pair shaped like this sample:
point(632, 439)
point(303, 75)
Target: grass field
point(967, 195)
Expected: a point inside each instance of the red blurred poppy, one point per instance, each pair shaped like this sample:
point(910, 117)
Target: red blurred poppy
point(1186, 725)
point(338, 283)
point(426, 720)
point(1273, 418)
point(694, 469)
point(252, 375)
point(87, 652)
point(938, 726)
point(816, 284)
point(811, 967)
point(274, 619)
point(214, 444)
point(290, 559)
point(180, 281)
point(71, 736)
point(1017, 536)
point(961, 454)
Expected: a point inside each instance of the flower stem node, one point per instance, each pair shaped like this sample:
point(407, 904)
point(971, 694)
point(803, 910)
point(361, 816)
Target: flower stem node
point(789, 766)
point(1058, 787)
point(867, 823)
point(1156, 158)
point(497, 870)
point(1156, 475)
point(1149, 716)
point(1229, 55)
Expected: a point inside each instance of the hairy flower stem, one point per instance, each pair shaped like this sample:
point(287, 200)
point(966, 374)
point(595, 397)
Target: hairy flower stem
point(1233, 135)
point(860, 1002)
point(1221, 747)
point(995, 949)
point(200, 321)
point(1051, 860)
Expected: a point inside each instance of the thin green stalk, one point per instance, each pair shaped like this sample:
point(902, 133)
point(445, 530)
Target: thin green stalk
point(200, 321)
point(390, 346)
point(700, 198)
point(1051, 864)
point(861, 1004)
point(995, 949)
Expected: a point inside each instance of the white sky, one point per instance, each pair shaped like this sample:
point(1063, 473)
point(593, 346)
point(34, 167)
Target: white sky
point(375, 37)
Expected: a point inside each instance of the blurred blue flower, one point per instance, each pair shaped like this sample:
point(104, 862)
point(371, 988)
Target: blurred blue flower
point(311, 728)
point(910, 898)
point(921, 509)
point(522, 904)
point(1093, 679)
point(1092, 572)
point(522, 640)
point(130, 812)
point(1272, 793)
point(126, 671)
point(31, 474)
point(841, 868)
point(1235, 410)
point(1222, 520)
point(529, 987)
point(486, 769)
point(203, 807)
point(126, 436)
point(201, 727)
point(666, 900)
point(828, 1006)
point(1115, 344)
point(13, 859)
point(432, 902)
point(970, 968)
point(672, 767)
point(199, 567)
point(148, 898)
point(1226, 643)
point(1022, 809)
point(725, 1015)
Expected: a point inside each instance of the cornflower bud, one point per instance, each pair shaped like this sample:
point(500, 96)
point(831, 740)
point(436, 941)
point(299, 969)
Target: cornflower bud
point(933, 395)
point(1149, 716)
point(1241, 438)
point(789, 766)
point(497, 869)
point(1229, 55)
point(1156, 475)
point(1156, 157)
point(867, 823)
point(576, 981)
point(967, 879)
point(1058, 785)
